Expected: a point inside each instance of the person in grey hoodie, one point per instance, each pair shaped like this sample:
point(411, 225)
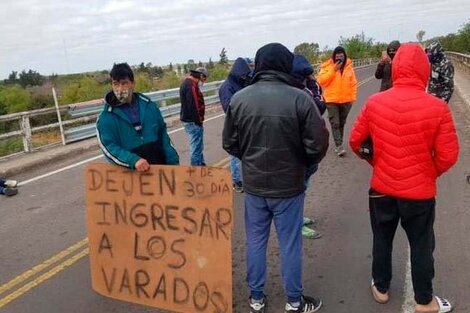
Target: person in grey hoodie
point(384, 68)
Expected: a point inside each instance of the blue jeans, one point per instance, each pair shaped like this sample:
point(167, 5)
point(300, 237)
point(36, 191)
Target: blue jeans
point(2, 186)
point(196, 143)
point(287, 214)
point(235, 169)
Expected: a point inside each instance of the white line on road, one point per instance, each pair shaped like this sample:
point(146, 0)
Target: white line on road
point(93, 158)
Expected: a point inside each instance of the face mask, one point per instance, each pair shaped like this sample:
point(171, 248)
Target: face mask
point(200, 84)
point(341, 58)
point(121, 95)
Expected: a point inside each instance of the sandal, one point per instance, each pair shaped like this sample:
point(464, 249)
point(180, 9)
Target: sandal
point(444, 306)
point(379, 297)
point(310, 233)
point(308, 221)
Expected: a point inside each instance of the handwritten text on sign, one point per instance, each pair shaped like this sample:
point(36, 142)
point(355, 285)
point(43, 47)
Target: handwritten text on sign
point(163, 237)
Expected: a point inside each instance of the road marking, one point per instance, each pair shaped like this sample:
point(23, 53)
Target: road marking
point(38, 268)
point(92, 159)
point(408, 303)
point(19, 292)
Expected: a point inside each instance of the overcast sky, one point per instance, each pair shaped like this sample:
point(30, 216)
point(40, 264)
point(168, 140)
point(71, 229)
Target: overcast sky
point(64, 36)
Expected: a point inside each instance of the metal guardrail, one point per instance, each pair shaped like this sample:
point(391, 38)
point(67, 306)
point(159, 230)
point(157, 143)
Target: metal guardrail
point(87, 112)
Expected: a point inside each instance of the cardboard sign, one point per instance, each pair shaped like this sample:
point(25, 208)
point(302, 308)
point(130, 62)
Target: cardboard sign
point(162, 238)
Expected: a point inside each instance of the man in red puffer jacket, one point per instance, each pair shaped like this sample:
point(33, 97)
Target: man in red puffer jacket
point(413, 142)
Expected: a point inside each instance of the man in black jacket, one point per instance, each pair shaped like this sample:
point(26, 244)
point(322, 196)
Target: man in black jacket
point(277, 132)
point(384, 68)
point(192, 113)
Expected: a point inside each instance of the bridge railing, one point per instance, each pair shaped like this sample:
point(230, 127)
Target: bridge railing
point(460, 60)
point(77, 121)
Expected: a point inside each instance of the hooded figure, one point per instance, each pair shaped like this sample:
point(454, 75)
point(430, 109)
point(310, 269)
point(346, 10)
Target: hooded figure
point(238, 78)
point(277, 132)
point(415, 142)
point(303, 72)
point(384, 68)
point(441, 83)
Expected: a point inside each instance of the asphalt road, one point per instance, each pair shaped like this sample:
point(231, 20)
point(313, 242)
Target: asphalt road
point(48, 217)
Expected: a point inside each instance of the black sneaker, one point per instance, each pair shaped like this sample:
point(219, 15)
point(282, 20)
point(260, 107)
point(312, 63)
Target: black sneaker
point(10, 191)
point(238, 187)
point(307, 305)
point(257, 306)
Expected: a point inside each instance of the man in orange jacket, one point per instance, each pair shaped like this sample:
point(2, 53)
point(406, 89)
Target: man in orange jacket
point(413, 143)
point(339, 84)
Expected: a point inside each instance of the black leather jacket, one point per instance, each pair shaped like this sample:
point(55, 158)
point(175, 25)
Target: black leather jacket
point(277, 131)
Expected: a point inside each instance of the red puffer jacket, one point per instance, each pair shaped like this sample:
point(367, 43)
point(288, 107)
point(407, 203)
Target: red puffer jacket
point(413, 134)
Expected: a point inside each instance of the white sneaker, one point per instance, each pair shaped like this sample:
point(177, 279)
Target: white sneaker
point(11, 183)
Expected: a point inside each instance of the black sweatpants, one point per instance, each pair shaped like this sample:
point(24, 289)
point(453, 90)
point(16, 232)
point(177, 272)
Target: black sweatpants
point(417, 219)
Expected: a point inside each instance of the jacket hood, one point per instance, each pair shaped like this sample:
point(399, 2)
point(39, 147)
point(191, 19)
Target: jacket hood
point(274, 57)
point(436, 51)
point(240, 70)
point(394, 45)
point(410, 67)
point(111, 99)
point(337, 50)
point(301, 67)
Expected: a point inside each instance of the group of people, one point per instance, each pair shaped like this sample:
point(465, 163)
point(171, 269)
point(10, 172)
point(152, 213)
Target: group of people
point(276, 137)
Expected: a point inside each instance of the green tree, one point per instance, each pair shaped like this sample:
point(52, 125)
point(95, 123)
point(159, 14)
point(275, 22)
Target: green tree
point(143, 82)
point(12, 78)
point(211, 64)
point(85, 89)
point(30, 78)
point(219, 72)
point(358, 46)
point(223, 57)
point(170, 67)
point(420, 36)
point(191, 64)
point(14, 99)
point(309, 50)
point(178, 68)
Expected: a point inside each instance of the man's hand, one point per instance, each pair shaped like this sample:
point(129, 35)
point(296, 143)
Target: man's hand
point(338, 65)
point(142, 165)
point(385, 58)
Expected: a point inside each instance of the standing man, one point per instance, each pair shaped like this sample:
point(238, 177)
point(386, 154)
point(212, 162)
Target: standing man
point(277, 132)
point(192, 113)
point(339, 84)
point(384, 68)
point(441, 83)
point(408, 157)
point(238, 78)
point(131, 130)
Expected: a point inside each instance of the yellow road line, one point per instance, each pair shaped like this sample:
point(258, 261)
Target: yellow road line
point(38, 268)
point(19, 292)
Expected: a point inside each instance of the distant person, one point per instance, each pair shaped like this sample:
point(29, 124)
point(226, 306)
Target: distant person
point(238, 78)
point(414, 142)
point(384, 68)
point(441, 83)
point(8, 187)
point(192, 113)
point(131, 129)
point(339, 84)
point(277, 132)
point(302, 72)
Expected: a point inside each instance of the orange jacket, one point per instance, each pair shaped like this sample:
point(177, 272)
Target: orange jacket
point(337, 87)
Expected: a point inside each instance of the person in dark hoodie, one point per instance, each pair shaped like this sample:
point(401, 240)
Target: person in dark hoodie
point(441, 83)
point(238, 78)
point(131, 130)
point(277, 132)
point(384, 68)
point(302, 71)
